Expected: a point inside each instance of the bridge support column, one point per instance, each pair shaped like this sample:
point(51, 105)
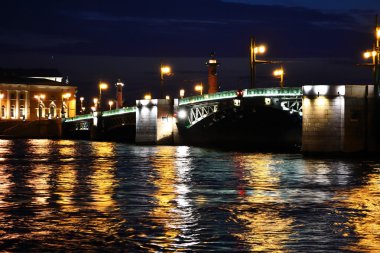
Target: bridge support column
point(337, 119)
point(155, 123)
point(96, 127)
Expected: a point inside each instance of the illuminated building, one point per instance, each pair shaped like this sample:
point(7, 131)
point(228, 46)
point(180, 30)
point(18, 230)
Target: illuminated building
point(35, 95)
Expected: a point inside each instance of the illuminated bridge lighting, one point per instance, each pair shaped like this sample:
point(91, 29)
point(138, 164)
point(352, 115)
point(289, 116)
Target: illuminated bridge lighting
point(78, 118)
point(105, 114)
point(119, 111)
point(261, 92)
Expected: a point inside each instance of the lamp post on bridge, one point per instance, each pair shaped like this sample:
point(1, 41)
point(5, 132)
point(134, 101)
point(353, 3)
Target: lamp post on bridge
point(254, 51)
point(102, 86)
point(164, 70)
point(280, 73)
point(81, 104)
point(199, 88)
point(110, 103)
point(181, 93)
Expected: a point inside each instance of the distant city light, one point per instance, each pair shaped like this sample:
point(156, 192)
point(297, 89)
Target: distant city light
point(147, 96)
point(167, 97)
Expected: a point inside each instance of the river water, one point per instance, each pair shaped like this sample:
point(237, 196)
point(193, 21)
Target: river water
point(64, 196)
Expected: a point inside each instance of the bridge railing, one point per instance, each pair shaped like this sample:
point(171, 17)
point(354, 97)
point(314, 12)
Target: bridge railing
point(104, 114)
point(119, 111)
point(78, 118)
point(273, 92)
point(208, 97)
point(258, 92)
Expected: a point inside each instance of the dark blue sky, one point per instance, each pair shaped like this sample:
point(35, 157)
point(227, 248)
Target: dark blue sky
point(90, 39)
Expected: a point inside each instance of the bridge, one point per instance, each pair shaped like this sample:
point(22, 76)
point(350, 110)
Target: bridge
point(321, 118)
point(189, 116)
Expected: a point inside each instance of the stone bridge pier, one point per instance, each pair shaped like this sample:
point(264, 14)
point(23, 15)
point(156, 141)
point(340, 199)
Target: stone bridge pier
point(338, 119)
point(156, 121)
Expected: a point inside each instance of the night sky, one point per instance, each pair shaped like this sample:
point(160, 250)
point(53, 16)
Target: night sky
point(90, 40)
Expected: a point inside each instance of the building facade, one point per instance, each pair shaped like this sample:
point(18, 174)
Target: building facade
point(36, 99)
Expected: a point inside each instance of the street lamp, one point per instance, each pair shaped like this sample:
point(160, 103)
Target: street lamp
point(164, 70)
point(254, 51)
point(181, 93)
point(81, 104)
point(95, 100)
point(199, 87)
point(102, 86)
point(147, 97)
point(110, 103)
point(279, 73)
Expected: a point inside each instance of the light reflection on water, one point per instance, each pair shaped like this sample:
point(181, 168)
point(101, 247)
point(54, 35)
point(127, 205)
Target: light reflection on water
point(100, 196)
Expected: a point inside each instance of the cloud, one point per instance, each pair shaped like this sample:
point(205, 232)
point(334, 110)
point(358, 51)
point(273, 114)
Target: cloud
point(339, 5)
point(178, 28)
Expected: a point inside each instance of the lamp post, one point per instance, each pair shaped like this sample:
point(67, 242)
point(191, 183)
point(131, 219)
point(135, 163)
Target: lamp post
point(254, 50)
point(102, 86)
point(110, 103)
point(81, 104)
point(199, 88)
point(1, 106)
point(164, 70)
point(181, 93)
point(280, 73)
point(96, 100)
point(374, 54)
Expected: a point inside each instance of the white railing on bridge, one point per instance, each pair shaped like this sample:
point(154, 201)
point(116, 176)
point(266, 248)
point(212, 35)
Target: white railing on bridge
point(259, 92)
point(109, 113)
point(119, 111)
point(78, 118)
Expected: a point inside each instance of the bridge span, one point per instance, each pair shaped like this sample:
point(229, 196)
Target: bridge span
point(321, 118)
point(200, 119)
